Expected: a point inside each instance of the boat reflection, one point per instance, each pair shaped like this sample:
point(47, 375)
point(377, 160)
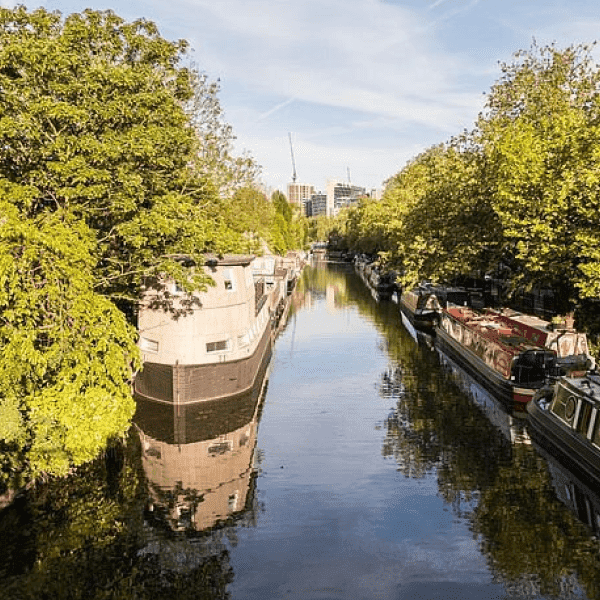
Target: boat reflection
point(420, 337)
point(579, 496)
point(511, 424)
point(198, 459)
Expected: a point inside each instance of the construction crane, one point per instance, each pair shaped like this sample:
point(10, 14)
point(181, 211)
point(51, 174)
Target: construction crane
point(348, 175)
point(293, 163)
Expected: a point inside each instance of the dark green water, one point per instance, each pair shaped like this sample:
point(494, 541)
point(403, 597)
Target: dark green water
point(362, 467)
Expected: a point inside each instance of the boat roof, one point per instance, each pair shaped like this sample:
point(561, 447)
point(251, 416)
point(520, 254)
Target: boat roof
point(213, 260)
point(588, 386)
point(493, 328)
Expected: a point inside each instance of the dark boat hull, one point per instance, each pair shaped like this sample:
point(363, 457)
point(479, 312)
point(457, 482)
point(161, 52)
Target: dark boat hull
point(425, 320)
point(514, 398)
point(186, 384)
point(576, 453)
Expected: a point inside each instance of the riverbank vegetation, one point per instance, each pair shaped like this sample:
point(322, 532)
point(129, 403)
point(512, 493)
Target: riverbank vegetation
point(116, 160)
point(516, 198)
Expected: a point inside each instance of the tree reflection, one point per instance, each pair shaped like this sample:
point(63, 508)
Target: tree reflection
point(534, 545)
point(84, 536)
point(92, 536)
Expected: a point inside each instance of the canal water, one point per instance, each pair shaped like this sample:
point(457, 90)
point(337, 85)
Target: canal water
point(364, 465)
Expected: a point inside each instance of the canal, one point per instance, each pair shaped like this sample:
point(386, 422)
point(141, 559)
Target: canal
point(363, 465)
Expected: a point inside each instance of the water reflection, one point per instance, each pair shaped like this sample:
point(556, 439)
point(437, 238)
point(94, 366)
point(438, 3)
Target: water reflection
point(198, 459)
point(164, 516)
point(577, 495)
point(511, 425)
point(444, 425)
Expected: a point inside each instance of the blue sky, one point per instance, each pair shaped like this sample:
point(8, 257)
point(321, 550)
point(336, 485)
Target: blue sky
point(361, 85)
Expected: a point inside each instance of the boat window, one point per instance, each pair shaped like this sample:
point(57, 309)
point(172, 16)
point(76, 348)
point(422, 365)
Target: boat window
point(596, 433)
point(564, 405)
point(229, 280)
point(176, 289)
point(219, 346)
point(585, 417)
point(219, 448)
point(148, 345)
point(532, 367)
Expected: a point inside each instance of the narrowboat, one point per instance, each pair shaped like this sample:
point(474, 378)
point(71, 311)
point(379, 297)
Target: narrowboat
point(215, 346)
point(564, 418)
point(511, 354)
point(421, 307)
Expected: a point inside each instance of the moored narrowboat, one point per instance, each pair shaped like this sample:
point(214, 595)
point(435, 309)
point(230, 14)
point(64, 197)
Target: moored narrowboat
point(421, 307)
point(564, 418)
point(510, 356)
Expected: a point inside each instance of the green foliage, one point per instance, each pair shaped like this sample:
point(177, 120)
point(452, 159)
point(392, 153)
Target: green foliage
point(102, 189)
point(541, 139)
point(288, 228)
point(521, 192)
point(67, 354)
point(92, 122)
point(214, 158)
point(250, 214)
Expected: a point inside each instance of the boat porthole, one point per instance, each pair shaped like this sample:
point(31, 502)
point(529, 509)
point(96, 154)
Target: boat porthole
point(570, 406)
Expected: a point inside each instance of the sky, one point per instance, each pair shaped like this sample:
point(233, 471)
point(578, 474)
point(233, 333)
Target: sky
point(361, 86)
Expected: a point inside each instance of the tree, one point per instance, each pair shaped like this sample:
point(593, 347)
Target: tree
point(67, 354)
point(92, 122)
point(250, 214)
point(99, 195)
point(214, 156)
point(541, 135)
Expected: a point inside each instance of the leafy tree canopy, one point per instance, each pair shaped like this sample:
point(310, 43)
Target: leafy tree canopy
point(92, 122)
point(541, 138)
point(99, 192)
point(67, 354)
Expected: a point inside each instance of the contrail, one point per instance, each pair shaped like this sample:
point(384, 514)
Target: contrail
point(274, 109)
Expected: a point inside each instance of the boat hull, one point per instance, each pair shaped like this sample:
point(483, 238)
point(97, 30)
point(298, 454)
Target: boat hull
point(425, 320)
point(490, 379)
point(578, 454)
point(185, 384)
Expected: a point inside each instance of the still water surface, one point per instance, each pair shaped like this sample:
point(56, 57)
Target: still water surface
point(364, 466)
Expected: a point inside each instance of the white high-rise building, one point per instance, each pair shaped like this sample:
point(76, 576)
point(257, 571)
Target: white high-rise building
point(340, 194)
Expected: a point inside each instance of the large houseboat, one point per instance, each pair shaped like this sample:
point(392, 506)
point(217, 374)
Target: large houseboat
point(511, 354)
point(565, 419)
point(210, 347)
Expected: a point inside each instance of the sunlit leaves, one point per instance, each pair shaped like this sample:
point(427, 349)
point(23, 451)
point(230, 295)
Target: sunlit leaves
point(67, 355)
point(541, 137)
point(520, 193)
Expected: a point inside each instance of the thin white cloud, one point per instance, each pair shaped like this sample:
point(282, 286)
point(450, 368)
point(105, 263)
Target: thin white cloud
point(356, 54)
point(273, 110)
point(436, 4)
point(365, 84)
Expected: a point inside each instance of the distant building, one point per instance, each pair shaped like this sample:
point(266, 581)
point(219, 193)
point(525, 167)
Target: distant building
point(341, 194)
point(297, 193)
point(318, 204)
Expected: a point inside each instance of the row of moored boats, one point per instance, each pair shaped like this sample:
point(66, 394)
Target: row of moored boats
point(529, 364)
